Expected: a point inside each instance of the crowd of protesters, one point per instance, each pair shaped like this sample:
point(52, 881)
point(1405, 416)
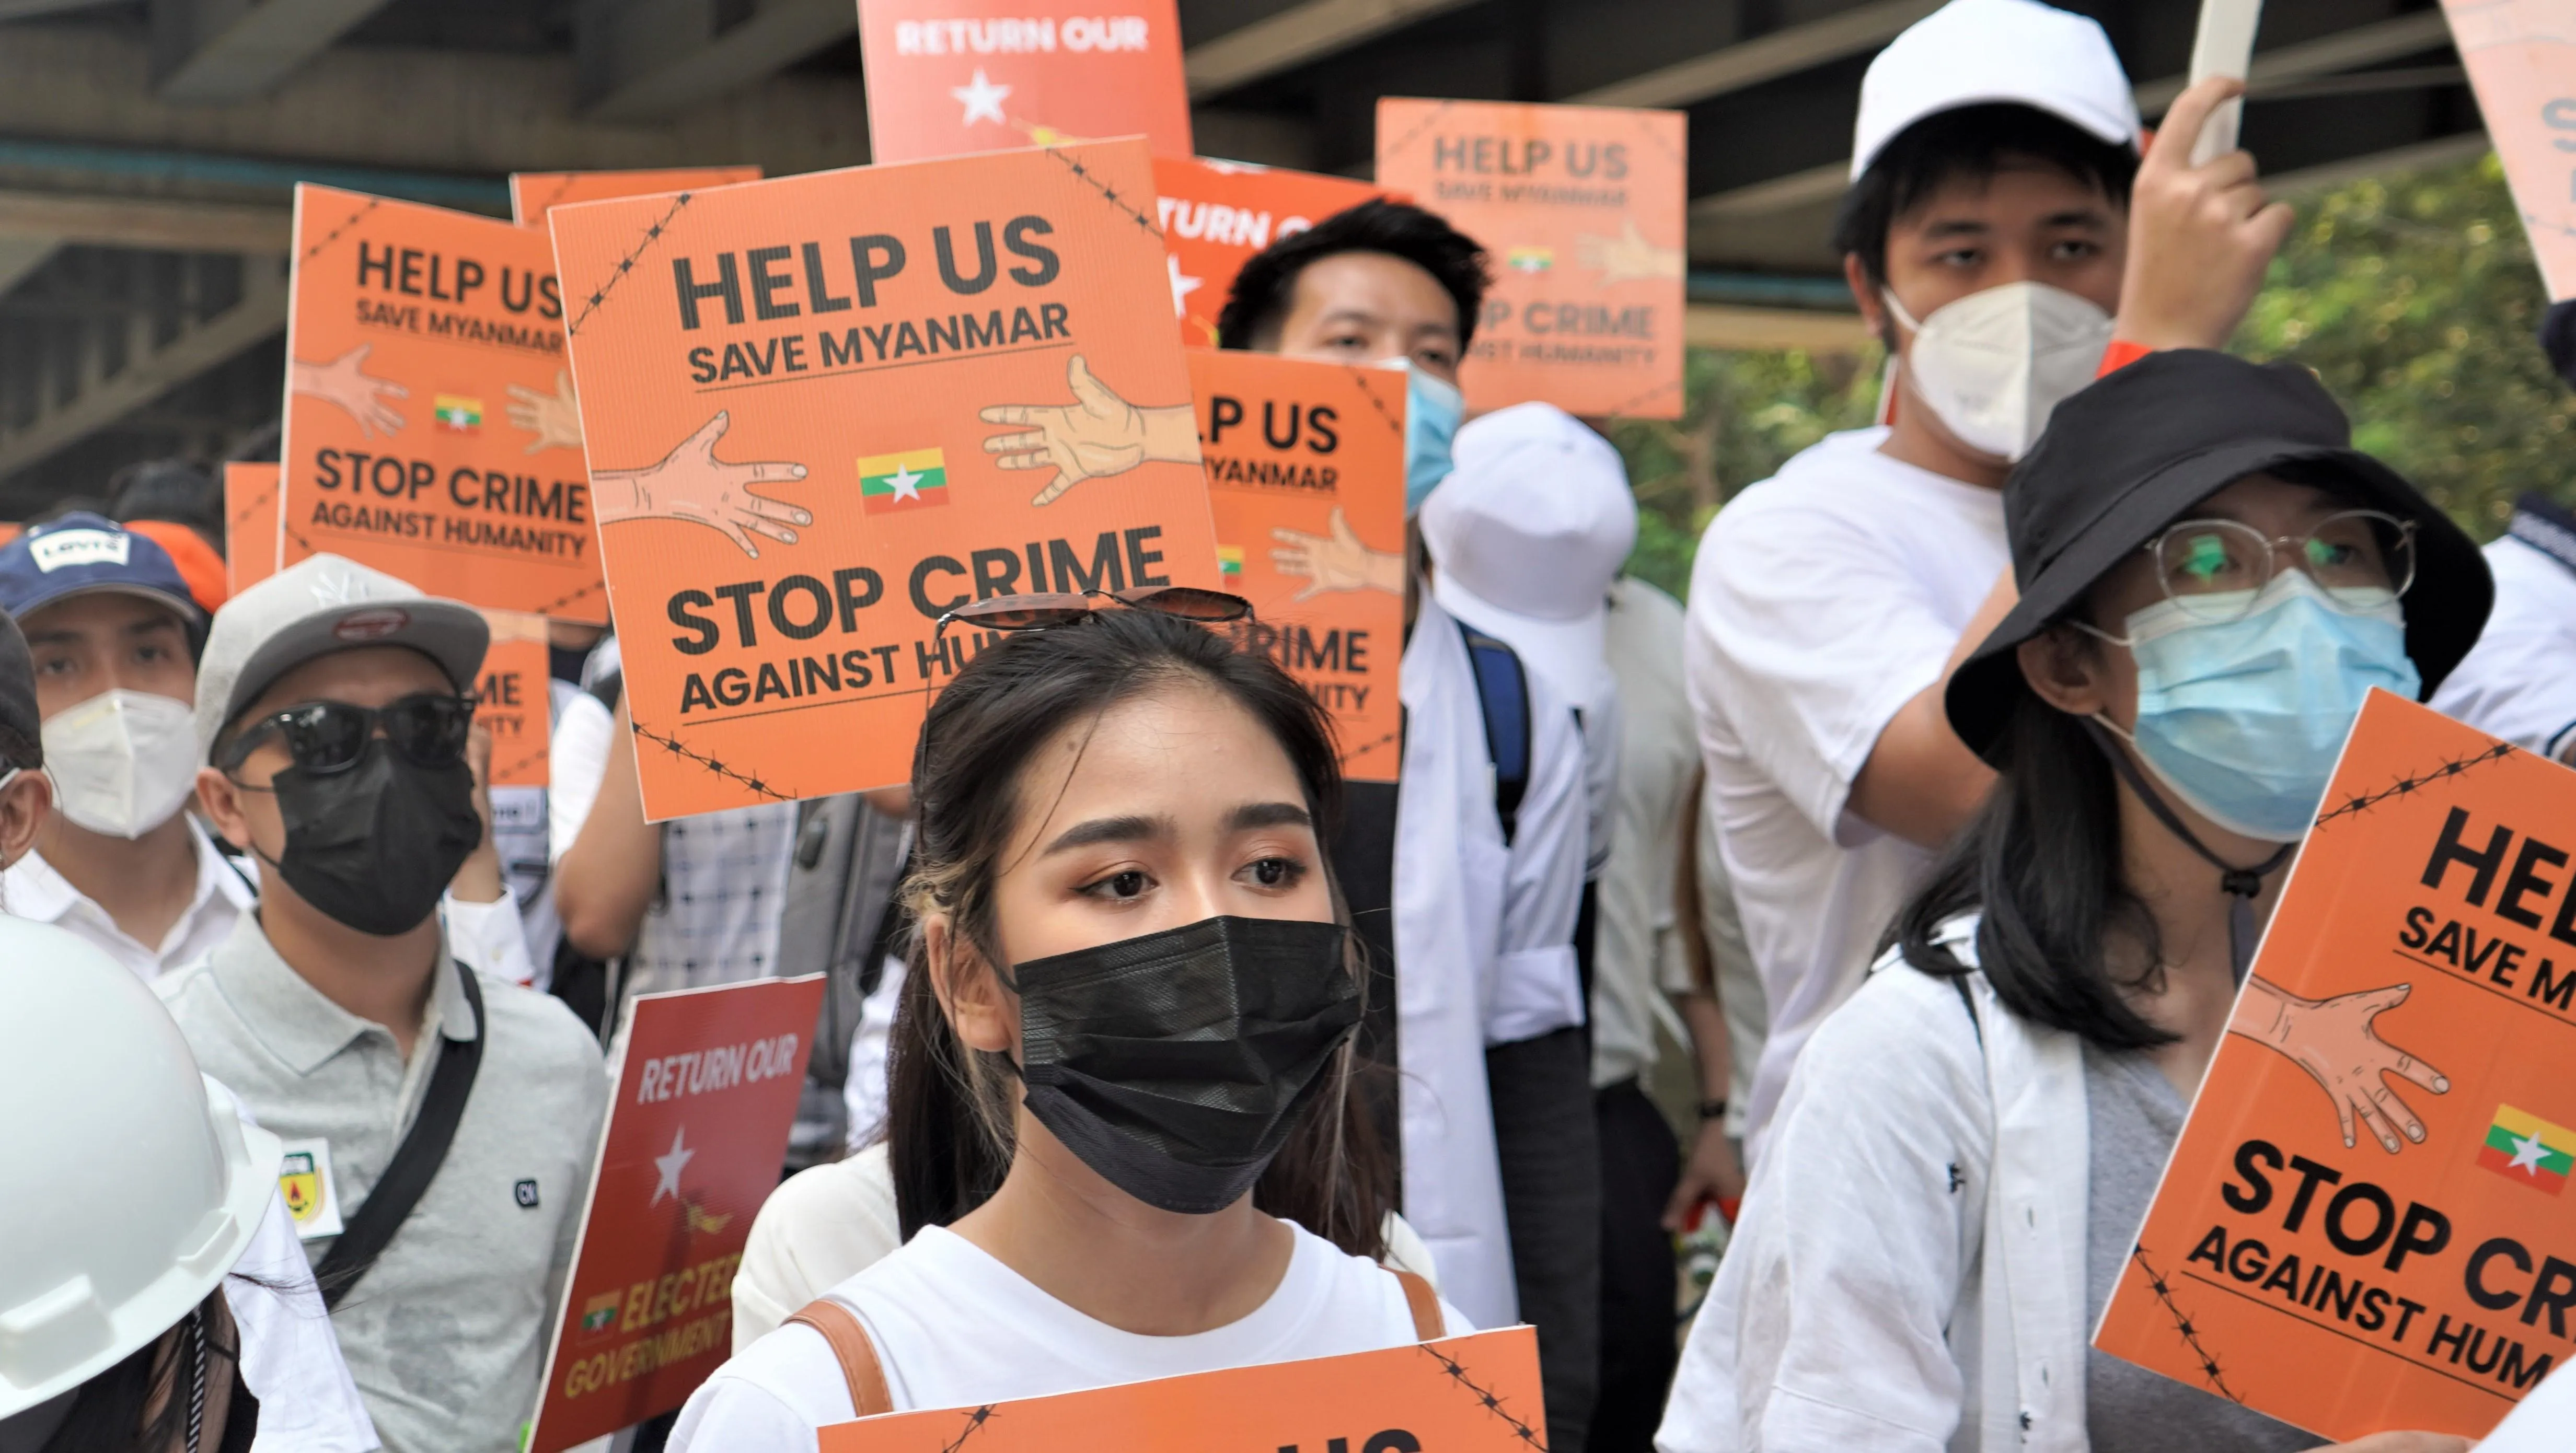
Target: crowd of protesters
point(1965, 777)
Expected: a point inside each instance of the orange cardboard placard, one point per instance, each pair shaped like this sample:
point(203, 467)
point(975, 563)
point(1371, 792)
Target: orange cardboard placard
point(2521, 60)
point(1217, 214)
point(1459, 1395)
point(1305, 467)
point(534, 194)
point(1580, 209)
point(250, 525)
point(697, 1128)
point(2307, 1254)
point(430, 426)
point(948, 77)
point(826, 409)
point(516, 698)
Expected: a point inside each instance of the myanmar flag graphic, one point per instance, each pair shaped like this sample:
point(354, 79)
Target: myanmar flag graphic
point(914, 479)
point(2529, 1149)
point(1229, 562)
point(458, 414)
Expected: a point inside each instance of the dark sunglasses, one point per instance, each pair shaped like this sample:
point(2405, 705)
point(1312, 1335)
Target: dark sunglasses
point(1063, 608)
point(427, 730)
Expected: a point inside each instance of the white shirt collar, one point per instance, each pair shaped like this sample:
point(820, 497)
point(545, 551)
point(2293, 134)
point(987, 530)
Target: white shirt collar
point(34, 889)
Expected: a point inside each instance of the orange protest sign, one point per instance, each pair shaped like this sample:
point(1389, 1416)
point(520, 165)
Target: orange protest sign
point(1305, 467)
point(1217, 214)
point(516, 698)
point(697, 1128)
point(1458, 1395)
point(811, 440)
point(250, 525)
point(430, 426)
point(2310, 1254)
point(948, 77)
point(534, 194)
point(2518, 54)
point(1581, 210)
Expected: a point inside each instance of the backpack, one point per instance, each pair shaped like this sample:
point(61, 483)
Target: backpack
point(1502, 691)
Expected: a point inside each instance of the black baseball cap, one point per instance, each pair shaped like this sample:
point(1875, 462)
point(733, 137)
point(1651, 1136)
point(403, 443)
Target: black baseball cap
point(2135, 450)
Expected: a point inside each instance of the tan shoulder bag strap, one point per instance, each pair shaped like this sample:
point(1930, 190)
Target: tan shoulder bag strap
point(858, 1355)
point(1428, 1324)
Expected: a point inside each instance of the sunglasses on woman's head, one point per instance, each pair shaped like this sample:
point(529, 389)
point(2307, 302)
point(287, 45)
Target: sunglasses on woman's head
point(427, 729)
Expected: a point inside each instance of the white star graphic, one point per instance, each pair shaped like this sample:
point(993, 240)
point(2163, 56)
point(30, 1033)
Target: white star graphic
point(982, 99)
point(671, 1165)
point(1182, 286)
point(907, 485)
point(2528, 1153)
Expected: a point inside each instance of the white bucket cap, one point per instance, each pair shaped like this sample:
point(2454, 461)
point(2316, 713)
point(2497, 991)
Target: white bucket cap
point(132, 1190)
point(1980, 52)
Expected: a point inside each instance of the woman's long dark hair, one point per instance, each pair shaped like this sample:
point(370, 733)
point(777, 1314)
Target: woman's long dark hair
point(2041, 864)
point(107, 1414)
point(948, 1114)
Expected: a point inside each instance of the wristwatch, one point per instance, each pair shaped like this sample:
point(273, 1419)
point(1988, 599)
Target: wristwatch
point(1712, 1110)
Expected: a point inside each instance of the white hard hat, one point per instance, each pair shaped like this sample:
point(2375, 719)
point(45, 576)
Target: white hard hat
point(1978, 52)
point(131, 1191)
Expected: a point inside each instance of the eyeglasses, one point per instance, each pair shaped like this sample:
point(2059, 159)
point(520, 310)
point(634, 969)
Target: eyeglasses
point(1063, 608)
point(427, 729)
point(2214, 569)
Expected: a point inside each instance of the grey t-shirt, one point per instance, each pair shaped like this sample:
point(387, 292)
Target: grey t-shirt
point(2134, 1115)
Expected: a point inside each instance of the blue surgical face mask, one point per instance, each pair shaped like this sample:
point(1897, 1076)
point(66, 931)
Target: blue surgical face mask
point(1432, 409)
point(2244, 719)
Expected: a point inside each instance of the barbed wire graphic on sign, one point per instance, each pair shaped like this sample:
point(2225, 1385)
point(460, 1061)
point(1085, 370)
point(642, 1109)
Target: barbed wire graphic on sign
point(1364, 748)
point(1429, 119)
point(626, 264)
point(975, 1422)
point(2182, 1323)
point(687, 754)
point(1369, 393)
point(334, 234)
point(2354, 807)
point(1492, 1401)
point(565, 599)
point(1105, 190)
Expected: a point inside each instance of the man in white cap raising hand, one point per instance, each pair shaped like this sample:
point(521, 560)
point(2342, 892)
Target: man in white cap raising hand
point(2006, 239)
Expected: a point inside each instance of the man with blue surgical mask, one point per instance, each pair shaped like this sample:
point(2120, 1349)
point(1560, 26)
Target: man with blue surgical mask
point(2005, 238)
point(1479, 851)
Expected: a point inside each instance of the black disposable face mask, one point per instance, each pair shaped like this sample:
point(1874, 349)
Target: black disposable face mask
point(374, 846)
point(1176, 1064)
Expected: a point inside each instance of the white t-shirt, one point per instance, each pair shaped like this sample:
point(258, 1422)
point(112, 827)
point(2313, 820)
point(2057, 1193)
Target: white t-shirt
point(2520, 681)
point(953, 1327)
point(1822, 601)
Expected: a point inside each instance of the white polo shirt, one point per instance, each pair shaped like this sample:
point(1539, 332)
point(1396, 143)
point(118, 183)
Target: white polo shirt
point(2519, 683)
point(32, 889)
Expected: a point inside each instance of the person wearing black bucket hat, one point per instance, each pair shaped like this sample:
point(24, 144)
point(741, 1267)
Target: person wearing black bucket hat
point(2211, 578)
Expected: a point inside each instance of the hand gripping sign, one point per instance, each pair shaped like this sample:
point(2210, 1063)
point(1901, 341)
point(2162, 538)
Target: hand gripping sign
point(1474, 1394)
point(826, 409)
point(430, 426)
point(2364, 1225)
point(1305, 467)
point(706, 1092)
point(2521, 59)
point(535, 195)
point(949, 77)
point(1580, 210)
point(1217, 214)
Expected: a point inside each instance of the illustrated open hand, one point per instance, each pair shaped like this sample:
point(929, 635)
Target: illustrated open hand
point(1338, 561)
point(554, 418)
point(1097, 434)
point(692, 484)
point(2335, 1041)
point(344, 381)
point(1628, 256)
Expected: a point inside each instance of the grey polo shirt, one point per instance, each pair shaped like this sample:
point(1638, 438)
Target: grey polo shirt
point(446, 1336)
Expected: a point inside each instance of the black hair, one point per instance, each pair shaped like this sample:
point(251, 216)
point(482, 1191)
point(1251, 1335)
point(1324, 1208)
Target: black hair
point(107, 1412)
point(947, 1122)
point(166, 489)
point(1258, 303)
point(1973, 142)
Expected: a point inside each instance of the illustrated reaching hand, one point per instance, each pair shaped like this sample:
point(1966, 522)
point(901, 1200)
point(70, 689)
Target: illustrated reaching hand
point(2335, 1041)
point(692, 484)
point(1097, 434)
point(1337, 561)
point(345, 382)
point(554, 418)
point(1629, 257)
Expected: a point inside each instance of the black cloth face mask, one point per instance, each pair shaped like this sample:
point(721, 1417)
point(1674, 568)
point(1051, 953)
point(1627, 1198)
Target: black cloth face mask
point(374, 846)
point(1175, 1064)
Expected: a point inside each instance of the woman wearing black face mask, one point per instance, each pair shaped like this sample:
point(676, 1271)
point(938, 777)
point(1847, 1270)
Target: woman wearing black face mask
point(1122, 1140)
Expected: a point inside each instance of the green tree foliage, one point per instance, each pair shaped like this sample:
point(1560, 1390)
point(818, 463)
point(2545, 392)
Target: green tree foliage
point(2413, 296)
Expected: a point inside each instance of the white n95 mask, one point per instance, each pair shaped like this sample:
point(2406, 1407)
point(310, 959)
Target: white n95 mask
point(1994, 365)
point(122, 762)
